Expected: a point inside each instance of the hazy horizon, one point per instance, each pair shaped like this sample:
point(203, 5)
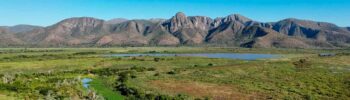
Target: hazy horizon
point(49, 12)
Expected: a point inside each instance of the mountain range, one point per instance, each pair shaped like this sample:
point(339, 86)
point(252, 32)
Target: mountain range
point(233, 30)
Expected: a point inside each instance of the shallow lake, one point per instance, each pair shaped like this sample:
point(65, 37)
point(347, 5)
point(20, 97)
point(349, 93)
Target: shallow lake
point(85, 82)
point(242, 56)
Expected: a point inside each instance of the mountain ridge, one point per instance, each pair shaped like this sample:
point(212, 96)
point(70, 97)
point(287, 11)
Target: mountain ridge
point(233, 30)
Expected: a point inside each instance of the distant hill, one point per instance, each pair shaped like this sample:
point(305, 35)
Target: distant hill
point(233, 30)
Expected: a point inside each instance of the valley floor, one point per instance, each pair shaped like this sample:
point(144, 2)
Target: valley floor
point(297, 74)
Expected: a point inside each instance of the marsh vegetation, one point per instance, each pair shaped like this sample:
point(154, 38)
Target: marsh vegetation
point(57, 73)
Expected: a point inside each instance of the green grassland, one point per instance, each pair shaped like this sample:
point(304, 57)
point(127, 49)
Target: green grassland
point(56, 73)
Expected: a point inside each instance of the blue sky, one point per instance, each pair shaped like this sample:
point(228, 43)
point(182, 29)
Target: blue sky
point(48, 12)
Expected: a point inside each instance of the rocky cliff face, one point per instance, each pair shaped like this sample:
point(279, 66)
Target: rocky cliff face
point(189, 30)
point(232, 30)
point(224, 30)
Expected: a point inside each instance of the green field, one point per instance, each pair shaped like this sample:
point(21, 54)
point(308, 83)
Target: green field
point(297, 74)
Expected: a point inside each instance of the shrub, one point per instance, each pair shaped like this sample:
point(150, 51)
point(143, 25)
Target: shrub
point(142, 59)
point(133, 76)
point(210, 64)
point(151, 69)
point(124, 90)
point(22, 56)
point(343, 54)
point(152, 52)
point(302, 64)
point(133, 58)
point(163, 97)
point(150, 96)
point(117, 59)
point(156, 59)
point(172, 72)
point(6, 58)
point(84, 53)
point(156, 74)
point(123, 77)
point(138, 69)
point(308, 97)
point(43, 90)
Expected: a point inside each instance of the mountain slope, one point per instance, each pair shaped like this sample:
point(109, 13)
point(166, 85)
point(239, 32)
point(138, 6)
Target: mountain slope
point(320, 31)
point(23, 28)
point(189, 30)
point(258, 36)
point(233, 30)
point(225, 30)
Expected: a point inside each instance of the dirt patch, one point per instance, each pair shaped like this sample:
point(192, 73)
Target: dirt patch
point(214, 91)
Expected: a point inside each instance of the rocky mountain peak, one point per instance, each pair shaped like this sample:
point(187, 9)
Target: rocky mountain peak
point(180, 15)
point(180, 19)
point(177, 22)
point(237, 17)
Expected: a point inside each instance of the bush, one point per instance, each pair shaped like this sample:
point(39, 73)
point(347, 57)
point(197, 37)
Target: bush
point(6, 58)
point(308, 97)
point(172, 72)
point(210, 64)
point(156, 74)
point(117, 59)
point(150, 96)
point(138, 69)
point(152, 52)
point(123, 77)
point(133, 76)
point(163, 97)
point(133, 58)
point(156, 59)
point(103, 71)
point(43, 90)
point(22, 56)
point(302, 64)
point(151, 69)
point(84, 53)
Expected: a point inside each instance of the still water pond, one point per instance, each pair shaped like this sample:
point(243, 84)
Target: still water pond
point(86, 82)
point(245, 56)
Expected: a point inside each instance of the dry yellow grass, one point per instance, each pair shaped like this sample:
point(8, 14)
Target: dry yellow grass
point(198, 89)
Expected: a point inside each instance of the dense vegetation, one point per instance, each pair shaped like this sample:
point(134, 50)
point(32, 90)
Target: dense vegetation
point(39, 73)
